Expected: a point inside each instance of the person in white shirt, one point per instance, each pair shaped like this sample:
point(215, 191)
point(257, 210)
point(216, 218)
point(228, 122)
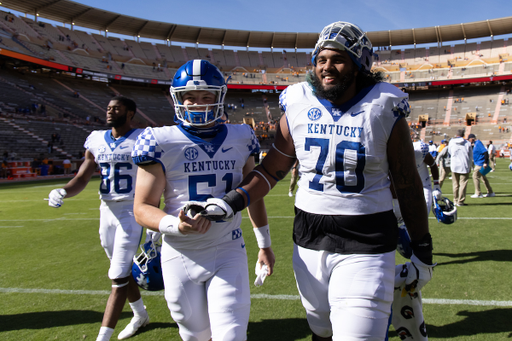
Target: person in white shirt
point(461, 154)
point(492, 156)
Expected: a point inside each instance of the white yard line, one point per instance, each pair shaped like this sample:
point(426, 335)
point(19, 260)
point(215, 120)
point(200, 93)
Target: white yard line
point(254, 296)
point(274, 217)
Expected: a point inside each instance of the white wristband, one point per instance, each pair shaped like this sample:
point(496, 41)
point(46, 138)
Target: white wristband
point(170, 225)
point(262, 236)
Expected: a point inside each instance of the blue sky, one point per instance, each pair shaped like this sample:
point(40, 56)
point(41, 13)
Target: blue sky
point(309, 16)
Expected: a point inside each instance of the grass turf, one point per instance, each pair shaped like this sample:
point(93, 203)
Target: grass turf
point(54, 283)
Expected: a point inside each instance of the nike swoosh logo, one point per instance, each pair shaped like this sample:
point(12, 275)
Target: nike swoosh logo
point(354, 114)
point(123, 147)
point(225, 150)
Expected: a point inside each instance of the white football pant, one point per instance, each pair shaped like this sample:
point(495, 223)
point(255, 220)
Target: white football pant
point(120, 236)
point(347, 297)
point(207, 291)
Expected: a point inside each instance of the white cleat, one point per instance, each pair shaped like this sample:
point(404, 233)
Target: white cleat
point(134, 325)
point(290, 194)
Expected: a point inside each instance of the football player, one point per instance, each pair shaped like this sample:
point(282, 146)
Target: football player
point(348, 130)
point(423, 159)
point(204, 263)
point(120, 234)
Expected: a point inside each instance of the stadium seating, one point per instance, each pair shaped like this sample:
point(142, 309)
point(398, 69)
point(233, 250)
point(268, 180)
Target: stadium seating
point(435, 113)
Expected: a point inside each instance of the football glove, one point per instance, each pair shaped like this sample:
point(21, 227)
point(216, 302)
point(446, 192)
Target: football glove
point(217, 209)
point(436, 193)
point(192, 208)
point(56, 197)
point(419, 274)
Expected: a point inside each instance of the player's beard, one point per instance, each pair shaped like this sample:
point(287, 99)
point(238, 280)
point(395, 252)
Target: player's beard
point(118, 122)
point(334, 93)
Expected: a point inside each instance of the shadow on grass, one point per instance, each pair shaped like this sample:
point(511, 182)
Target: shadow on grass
point(481, 256)
point(279, 330)
point(475, 322)
point(482, 322)
point(51, 319)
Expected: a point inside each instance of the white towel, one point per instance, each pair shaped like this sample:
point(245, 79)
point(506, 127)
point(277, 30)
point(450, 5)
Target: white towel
point(261, 273)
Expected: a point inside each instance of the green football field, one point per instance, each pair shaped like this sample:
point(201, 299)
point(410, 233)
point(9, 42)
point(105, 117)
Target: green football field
point(54, 284)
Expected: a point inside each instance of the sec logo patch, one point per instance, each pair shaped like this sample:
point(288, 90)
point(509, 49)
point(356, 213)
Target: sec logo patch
point(314, 114)
point(191, 153)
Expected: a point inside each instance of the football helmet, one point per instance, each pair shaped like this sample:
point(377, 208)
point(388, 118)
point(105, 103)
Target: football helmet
point(444, 210)
point(198, 74)
point(510, 166)
point(346, 37)
point(404, 242)
point(146, 268)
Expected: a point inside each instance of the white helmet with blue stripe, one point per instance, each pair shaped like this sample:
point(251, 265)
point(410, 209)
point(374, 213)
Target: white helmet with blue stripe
point(202, 75)
point(348, 37)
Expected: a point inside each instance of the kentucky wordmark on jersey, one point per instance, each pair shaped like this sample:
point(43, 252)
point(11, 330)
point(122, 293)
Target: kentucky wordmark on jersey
point(342, 149)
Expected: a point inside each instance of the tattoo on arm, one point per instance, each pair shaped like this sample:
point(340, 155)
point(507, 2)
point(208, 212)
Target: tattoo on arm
point(281, 174)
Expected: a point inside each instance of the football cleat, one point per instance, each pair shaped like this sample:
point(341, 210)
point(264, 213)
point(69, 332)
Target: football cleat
point(198, 74)
point(348, 37)
point(444, 210)
point(146, 268)
point(135, 324)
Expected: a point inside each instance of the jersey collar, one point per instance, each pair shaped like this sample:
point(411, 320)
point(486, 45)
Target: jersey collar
point(218, 132)
point(337, 111)
point(112, 142)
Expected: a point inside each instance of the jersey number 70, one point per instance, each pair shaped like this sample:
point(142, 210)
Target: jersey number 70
point(350, 161)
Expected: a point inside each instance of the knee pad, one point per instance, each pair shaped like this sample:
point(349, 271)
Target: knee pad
point(120, 282)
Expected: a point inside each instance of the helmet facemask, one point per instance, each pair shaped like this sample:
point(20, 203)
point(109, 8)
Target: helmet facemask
point(146, 268)
point(444, 210)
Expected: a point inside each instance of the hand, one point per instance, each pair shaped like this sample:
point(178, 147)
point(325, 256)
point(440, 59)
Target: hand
point(196, 225)
point(264, 265)
point(419, 274)
point(436, 193)
point(266, 257)
point(217, 209)
point(56, 197)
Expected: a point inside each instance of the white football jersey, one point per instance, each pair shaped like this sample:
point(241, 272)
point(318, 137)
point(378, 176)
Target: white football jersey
point(118, 172)
point(342, 151)
point(421, 149)
point(196, 170)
